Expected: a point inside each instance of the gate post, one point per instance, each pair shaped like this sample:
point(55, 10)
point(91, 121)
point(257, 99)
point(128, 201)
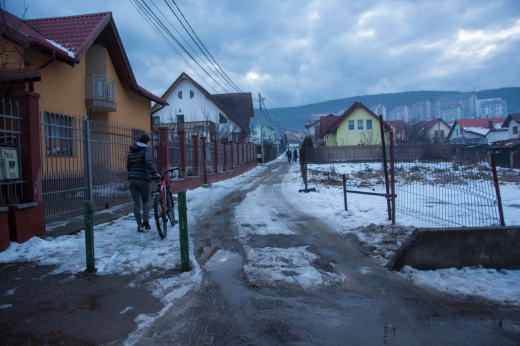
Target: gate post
point(204, 159)
point(385, 166)
point(497, 189)
point(196, 158)
point(392, 175)
point(164, 149)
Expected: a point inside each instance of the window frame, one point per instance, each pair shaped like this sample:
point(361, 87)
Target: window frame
point(515, 130)
point(369, 121)
point(353, 123)
point(362, 122)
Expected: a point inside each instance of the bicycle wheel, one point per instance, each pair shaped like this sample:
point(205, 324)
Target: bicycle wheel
point(160, 217)
point(170, 208)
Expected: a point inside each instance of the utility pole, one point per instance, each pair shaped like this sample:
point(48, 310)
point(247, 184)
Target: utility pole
point(278, 139)
point(261, 127)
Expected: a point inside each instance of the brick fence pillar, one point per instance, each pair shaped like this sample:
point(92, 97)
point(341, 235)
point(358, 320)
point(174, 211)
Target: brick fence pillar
point(182, 145)
point(196, 158)
point(164, 149)
point(215, 143)
point(225, 156)
point(30, 146)
point(232, 155)
point(204, 158)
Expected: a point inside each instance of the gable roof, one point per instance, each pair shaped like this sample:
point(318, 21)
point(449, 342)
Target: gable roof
point(240, 105)
point(477, 126)
point(325, 123)
point(515, 116)
point(430, 123)
point(309, 123)
point(184, 76)
point(69, 38)
point(345, 115)
point(397, 124)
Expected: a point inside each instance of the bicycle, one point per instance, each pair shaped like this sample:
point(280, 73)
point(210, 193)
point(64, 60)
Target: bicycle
point(163, 205)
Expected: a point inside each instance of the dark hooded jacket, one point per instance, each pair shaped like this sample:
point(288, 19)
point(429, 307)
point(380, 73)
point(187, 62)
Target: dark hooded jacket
point(140, 162)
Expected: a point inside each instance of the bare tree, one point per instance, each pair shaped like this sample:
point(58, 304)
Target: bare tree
point(370, 137)
point(223, 130)
point(12, 61)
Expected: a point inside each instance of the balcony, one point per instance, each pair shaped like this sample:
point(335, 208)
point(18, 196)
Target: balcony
point(99, 92)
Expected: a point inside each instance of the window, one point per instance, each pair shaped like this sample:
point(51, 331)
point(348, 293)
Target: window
point(436, 133)
point(192, 94)
point(255, 133)
point(180, 94)
point(456, 132)
point(351, 125)
point(442, 133)
point(360, 125)
point(515, 130)
point(369, 125)
point(222, 119)
point(58, 134)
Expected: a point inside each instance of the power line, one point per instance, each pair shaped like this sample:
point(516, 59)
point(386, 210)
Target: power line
point(237, 88)
point(153, 23)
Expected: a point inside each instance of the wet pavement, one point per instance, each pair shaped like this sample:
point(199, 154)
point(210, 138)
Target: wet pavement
point(370, 307)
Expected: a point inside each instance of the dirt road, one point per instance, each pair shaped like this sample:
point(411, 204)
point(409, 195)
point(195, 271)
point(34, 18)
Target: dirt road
point(358, 302)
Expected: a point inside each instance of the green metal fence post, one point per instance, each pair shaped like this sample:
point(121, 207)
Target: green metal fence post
point(183, 232)
point(89, 236)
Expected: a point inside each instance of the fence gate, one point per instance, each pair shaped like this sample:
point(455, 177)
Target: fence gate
point(62, 146)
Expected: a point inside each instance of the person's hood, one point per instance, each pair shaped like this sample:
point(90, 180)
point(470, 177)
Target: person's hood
point(137, 146)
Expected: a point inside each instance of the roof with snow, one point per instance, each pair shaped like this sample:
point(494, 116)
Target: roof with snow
point(69, 38)
point(309, 123)
point(478, 126)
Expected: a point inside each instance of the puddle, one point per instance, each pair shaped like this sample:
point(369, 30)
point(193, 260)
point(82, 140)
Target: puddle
point(223, 259)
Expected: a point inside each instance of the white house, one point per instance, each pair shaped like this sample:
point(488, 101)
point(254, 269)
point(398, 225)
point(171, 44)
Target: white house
point(477, 131)
point(512, 124)
point(226, 116)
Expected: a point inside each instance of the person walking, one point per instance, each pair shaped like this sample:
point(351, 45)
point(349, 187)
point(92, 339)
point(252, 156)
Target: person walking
point(140, 169)
point(288, 153)
point(295, 155)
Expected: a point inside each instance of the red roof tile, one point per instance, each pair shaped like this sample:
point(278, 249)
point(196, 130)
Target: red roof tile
point(240, 105)
point(482, 123)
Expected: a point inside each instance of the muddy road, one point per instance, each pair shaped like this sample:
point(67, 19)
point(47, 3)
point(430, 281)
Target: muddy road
point(357, 302)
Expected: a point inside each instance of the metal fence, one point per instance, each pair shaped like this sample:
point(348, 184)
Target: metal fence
point(11, 183)
point(446, 185)
point(64, 139)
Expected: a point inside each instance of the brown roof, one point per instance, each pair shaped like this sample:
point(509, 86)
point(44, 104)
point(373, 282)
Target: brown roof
point(345, 115)
point(325, 123)
point(482, 123)
point(210, 97)
point(515, 116)
point(430, 123)
point(240, 105)
point(397, 124)
point(70, 37)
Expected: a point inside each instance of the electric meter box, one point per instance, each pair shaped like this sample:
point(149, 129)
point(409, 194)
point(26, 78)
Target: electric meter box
point(9, 167)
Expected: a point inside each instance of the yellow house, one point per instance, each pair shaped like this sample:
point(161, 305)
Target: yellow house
point(357, 126)
point(79, 67)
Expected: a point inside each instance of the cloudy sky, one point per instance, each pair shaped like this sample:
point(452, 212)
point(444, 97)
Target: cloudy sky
point(298, 52)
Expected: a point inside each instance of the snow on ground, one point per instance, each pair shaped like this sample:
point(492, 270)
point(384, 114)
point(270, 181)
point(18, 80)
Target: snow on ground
point(120, 250)
point(367, 218)
point(258, 215)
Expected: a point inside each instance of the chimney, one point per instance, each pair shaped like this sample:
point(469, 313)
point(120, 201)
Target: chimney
point(490, 123)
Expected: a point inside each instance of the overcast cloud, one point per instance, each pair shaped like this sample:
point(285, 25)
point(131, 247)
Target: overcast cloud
point(301, 51)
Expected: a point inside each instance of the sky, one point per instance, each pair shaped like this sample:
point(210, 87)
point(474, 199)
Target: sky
point(298, 52)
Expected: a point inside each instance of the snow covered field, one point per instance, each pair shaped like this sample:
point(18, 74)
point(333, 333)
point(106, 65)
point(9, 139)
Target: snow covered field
point(367, 218)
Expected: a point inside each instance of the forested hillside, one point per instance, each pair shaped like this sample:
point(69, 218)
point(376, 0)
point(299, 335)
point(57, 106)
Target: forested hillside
point(294, 117)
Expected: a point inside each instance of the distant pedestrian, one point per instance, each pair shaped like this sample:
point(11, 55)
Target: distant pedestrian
point(288, 153)
point(295, 155)
point(140, 170)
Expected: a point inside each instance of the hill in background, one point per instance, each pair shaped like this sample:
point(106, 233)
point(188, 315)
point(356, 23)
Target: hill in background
point(294, 117)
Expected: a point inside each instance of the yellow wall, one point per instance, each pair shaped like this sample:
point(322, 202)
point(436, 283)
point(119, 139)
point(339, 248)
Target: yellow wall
point(132, 109)
point(11, 55)
point(343, 136)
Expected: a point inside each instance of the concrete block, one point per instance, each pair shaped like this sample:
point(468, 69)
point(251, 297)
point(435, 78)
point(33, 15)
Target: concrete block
point(438, 248)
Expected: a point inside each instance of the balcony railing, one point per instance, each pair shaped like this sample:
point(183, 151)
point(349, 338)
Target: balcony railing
point(99, 92)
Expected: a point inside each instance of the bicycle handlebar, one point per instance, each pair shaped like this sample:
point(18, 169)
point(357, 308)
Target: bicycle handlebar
point(168, 170)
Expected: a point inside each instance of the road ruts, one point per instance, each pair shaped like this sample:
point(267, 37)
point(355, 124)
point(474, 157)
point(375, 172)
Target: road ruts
point(370, 307)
